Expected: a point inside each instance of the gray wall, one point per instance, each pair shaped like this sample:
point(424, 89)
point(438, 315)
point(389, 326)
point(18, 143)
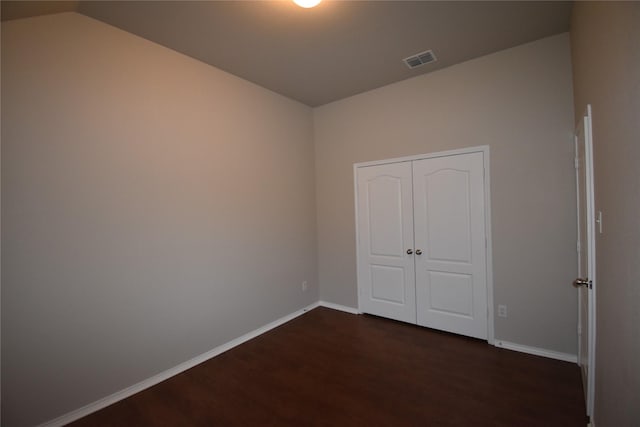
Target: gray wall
point(605, 41)
point(153, 208)
point(519, 102)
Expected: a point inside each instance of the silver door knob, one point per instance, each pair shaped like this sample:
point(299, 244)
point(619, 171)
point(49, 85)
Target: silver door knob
point(409, 251)
point(418, 252)
point(581, 282)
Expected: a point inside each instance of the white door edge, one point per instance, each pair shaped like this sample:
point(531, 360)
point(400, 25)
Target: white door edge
point(487, 196)
point(586, 124)
point(591, 239)
point(357, 242)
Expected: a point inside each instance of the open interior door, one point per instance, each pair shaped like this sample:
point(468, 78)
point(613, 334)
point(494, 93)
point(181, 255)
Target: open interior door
point(586, 280)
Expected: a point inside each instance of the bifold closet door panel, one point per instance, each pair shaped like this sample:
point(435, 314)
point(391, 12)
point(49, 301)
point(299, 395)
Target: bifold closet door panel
point(449, 221)
point(386, 271)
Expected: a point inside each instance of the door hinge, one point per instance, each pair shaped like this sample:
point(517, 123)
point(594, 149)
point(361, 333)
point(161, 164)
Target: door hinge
point(576, 162)
point(578, 246)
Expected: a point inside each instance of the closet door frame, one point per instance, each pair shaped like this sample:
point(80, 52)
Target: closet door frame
point(484, 149)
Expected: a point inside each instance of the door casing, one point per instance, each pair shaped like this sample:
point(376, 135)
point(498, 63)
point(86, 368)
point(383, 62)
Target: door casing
point(487, 205)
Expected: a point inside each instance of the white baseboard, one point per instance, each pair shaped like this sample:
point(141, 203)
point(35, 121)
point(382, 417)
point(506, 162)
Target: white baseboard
point(338, 307)
point(156, 379)
point(566, 357)
point(149, 382)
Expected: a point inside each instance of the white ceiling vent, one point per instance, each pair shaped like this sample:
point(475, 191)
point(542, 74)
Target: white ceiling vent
point(419, 59)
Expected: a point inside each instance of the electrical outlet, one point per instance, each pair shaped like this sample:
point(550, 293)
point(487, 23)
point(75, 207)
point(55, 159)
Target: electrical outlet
point(502, 310)
point(305, 286)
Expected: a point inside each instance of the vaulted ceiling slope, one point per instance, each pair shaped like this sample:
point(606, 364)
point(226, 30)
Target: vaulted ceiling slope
point(335, 50)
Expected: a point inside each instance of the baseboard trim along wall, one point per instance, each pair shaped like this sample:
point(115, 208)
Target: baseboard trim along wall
point(156, 379)
point(566, 357)
point(339, 307)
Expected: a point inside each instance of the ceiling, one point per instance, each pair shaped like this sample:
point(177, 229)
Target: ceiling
point(330, 52)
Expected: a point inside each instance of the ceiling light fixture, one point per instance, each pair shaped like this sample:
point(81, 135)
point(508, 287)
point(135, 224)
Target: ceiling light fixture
point(307, 3)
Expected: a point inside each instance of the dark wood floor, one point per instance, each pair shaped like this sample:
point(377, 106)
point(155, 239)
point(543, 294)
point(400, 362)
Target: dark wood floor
point(328, 368)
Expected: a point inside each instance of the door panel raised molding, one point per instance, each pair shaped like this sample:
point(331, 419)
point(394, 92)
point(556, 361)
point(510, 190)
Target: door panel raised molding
point(422, 241)
point(385, 216)
point(451, 290)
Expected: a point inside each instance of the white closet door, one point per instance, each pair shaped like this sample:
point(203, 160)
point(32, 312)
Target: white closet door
point(449, 220)
point(386, 272)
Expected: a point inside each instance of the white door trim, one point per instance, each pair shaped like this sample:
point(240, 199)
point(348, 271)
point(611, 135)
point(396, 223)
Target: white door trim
point(487, 196)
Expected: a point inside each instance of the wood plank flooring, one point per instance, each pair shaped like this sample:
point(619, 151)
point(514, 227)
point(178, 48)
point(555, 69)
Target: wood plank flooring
point(328, 368)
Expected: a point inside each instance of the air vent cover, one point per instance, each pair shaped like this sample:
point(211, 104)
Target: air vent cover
point(420, 59)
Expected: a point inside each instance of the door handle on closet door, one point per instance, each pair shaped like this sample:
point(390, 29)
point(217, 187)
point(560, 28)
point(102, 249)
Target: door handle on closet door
point(418, 251)
point(409, 251)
